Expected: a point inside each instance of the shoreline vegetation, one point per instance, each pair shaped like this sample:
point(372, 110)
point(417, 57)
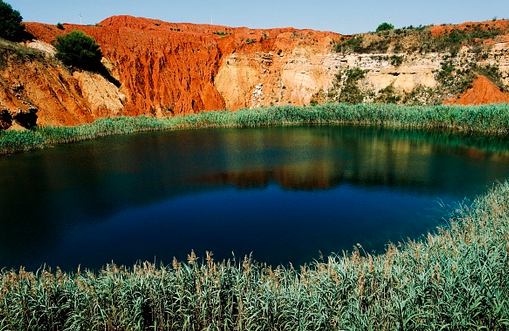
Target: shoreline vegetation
point(452, 279)
point(486, 119)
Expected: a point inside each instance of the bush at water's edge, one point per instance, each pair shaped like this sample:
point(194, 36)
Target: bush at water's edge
point(490, 119)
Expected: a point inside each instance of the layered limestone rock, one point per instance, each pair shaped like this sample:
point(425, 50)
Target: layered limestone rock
point(288, 68)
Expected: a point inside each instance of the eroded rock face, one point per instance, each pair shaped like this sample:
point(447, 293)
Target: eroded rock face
point(284, 67)
point(166, 69)
point(158, 68)
point(163, 68)
point(34, 86)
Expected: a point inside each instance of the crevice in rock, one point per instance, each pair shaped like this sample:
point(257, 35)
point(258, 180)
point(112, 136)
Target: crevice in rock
point(5, 119)
point(26, 118)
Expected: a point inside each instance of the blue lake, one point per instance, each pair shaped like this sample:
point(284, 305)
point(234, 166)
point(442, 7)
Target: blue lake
point(286, 194)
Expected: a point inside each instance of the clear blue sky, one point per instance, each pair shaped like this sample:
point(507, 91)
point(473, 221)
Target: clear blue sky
point(345, 17)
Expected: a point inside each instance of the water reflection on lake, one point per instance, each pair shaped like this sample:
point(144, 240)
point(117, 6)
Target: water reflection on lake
point(283, 193)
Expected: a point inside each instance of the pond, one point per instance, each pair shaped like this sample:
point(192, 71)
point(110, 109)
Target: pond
point(286, 194)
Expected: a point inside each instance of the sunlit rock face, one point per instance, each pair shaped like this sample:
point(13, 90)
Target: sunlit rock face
point(158, 68)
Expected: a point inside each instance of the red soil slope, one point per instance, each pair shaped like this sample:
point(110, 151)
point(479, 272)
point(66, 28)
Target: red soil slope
point(161, 70)
point(482, 92)
point(34, 81)
point(169, 68)
point(440, 30)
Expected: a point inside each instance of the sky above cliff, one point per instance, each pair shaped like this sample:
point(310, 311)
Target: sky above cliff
point(346, 17)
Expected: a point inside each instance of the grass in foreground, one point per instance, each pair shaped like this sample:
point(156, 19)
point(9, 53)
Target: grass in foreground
point(490, 119)
point(455, 279)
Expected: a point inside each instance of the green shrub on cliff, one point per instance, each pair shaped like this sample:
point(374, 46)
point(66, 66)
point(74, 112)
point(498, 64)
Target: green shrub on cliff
point(10, 21)
point(79, 50)
point(384, 27)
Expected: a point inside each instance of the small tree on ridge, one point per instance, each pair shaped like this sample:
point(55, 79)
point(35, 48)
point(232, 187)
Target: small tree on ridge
point(384, 27)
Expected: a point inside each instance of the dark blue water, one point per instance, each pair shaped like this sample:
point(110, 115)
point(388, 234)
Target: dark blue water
point(286, 194)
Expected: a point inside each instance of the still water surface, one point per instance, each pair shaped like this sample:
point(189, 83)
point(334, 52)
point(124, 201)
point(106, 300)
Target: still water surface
point(284, 193)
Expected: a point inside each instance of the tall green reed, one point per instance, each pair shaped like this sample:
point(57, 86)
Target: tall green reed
point(490, 119)
point(453, 279)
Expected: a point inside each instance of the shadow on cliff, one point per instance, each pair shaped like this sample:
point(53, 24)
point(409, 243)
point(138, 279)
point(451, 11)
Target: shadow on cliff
point(24, 118)
point(101, 70)
point(24, 36)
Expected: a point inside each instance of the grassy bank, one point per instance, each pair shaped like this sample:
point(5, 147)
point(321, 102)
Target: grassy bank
point(491, 119)
point(455, 279)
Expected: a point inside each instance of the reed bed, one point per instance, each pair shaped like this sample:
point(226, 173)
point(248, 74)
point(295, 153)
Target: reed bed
point(453, 279)
point(489, 119)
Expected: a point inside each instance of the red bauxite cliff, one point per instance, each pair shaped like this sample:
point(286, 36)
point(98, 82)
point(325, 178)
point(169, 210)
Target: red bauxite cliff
point(170, 68)
point(160, 68)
